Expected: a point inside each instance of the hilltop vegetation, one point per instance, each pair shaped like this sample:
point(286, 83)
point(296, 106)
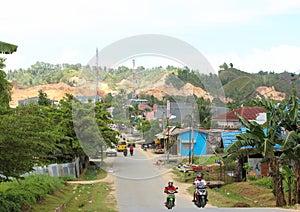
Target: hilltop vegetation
point(236, 84)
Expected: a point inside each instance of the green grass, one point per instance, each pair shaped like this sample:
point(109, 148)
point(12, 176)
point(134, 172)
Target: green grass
point(92, 173)
point(51, 201)
point(93, 197)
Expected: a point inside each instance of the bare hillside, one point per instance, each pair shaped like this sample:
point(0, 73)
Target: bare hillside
point(158, 89)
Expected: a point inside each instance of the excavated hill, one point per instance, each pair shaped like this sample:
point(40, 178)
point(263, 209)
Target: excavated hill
point(158, 89)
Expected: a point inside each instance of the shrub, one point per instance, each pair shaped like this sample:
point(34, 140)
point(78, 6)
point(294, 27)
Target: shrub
point(265, 182)
point(7, 205)
point(16, 197)
point(252, 178)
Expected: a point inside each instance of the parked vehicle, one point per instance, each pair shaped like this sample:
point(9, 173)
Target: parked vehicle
point(111, 152)
point(144, 147)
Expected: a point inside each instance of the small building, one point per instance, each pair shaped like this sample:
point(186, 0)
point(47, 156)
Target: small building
point(190, 141)
point(33, 100)
point(86, 99)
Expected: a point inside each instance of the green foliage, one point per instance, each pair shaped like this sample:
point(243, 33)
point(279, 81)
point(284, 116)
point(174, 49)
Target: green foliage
point(237, 85)
point(26, 139)
point(188, 76)
point(5, 87)
point(153, 128)
point(33, 188)
point(174, 81)
point(43, 100)
point(265, 182)
point(44, 73)
point(204, 112)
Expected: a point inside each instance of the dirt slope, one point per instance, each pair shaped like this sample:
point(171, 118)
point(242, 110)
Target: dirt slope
point(158, 89)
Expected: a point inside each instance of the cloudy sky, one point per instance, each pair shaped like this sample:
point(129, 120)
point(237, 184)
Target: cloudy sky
point(253, 35)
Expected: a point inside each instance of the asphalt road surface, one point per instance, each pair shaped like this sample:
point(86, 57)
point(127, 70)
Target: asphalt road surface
point(140, 184)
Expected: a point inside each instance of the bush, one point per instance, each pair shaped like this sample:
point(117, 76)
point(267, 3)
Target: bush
point(7, 205)
point(252, 178)
point(68, 178)
point(265, 182)
point(33, 188)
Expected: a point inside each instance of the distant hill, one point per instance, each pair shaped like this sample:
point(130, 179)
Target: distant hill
point(237, 85)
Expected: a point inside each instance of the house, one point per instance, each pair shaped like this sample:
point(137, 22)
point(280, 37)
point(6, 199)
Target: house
point(33, 100)
point(179, 111)
point(86, 99)
point(231, 120)
point(206, 141)
point(190, 141)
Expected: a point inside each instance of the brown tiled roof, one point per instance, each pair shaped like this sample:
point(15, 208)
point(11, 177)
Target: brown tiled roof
point(248, 113)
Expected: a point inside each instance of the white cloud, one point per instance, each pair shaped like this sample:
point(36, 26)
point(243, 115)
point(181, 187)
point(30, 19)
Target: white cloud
point(36, 25)
point(278, 59)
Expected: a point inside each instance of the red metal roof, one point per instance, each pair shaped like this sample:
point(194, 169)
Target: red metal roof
point(248, 113)
point(144, 107)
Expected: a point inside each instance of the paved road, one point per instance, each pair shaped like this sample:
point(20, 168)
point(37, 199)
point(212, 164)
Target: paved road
point(139, 187)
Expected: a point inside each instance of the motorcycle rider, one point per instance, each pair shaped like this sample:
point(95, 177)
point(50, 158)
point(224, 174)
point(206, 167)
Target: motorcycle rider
point(199, 181)
point(170, 187)
point(131, 149)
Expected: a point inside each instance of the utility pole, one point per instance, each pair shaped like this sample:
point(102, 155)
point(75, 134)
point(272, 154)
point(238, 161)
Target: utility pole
point(97, 75)
point(97, 97)
point(133, 79)
point(193, 143)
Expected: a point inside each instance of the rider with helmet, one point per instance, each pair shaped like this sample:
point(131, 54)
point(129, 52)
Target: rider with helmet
point(199, 182)
point(170, 187)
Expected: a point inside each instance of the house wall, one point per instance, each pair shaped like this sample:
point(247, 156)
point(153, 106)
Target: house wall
point(229, 124)
point(199, 143)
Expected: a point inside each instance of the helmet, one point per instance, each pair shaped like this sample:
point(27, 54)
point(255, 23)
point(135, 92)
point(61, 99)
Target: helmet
point(200, 175)
point(170, 182)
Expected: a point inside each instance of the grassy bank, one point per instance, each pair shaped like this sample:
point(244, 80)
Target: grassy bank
point(91, 197)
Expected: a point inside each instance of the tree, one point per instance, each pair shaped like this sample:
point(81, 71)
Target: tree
point(5, 87)
point(204, 110)
point(7, 48)
point(43, 100)
point(26, 139)
point(91, 124)
point(134, 111)
point(291, 146)
point(224, 66)
point(144, 126)
point(69, 145)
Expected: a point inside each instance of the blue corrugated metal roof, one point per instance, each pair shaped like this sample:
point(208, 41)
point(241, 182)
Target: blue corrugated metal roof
point(229, 137)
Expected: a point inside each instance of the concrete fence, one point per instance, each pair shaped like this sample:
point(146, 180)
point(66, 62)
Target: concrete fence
point(58, 170)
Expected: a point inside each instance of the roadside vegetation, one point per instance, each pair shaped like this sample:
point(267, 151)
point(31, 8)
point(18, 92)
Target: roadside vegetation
point(21, 195)
point(77, 197)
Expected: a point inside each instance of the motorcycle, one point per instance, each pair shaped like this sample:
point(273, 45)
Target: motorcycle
point(170, 203)
point(125, 152)
point(200, 194)
point(131, 152)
